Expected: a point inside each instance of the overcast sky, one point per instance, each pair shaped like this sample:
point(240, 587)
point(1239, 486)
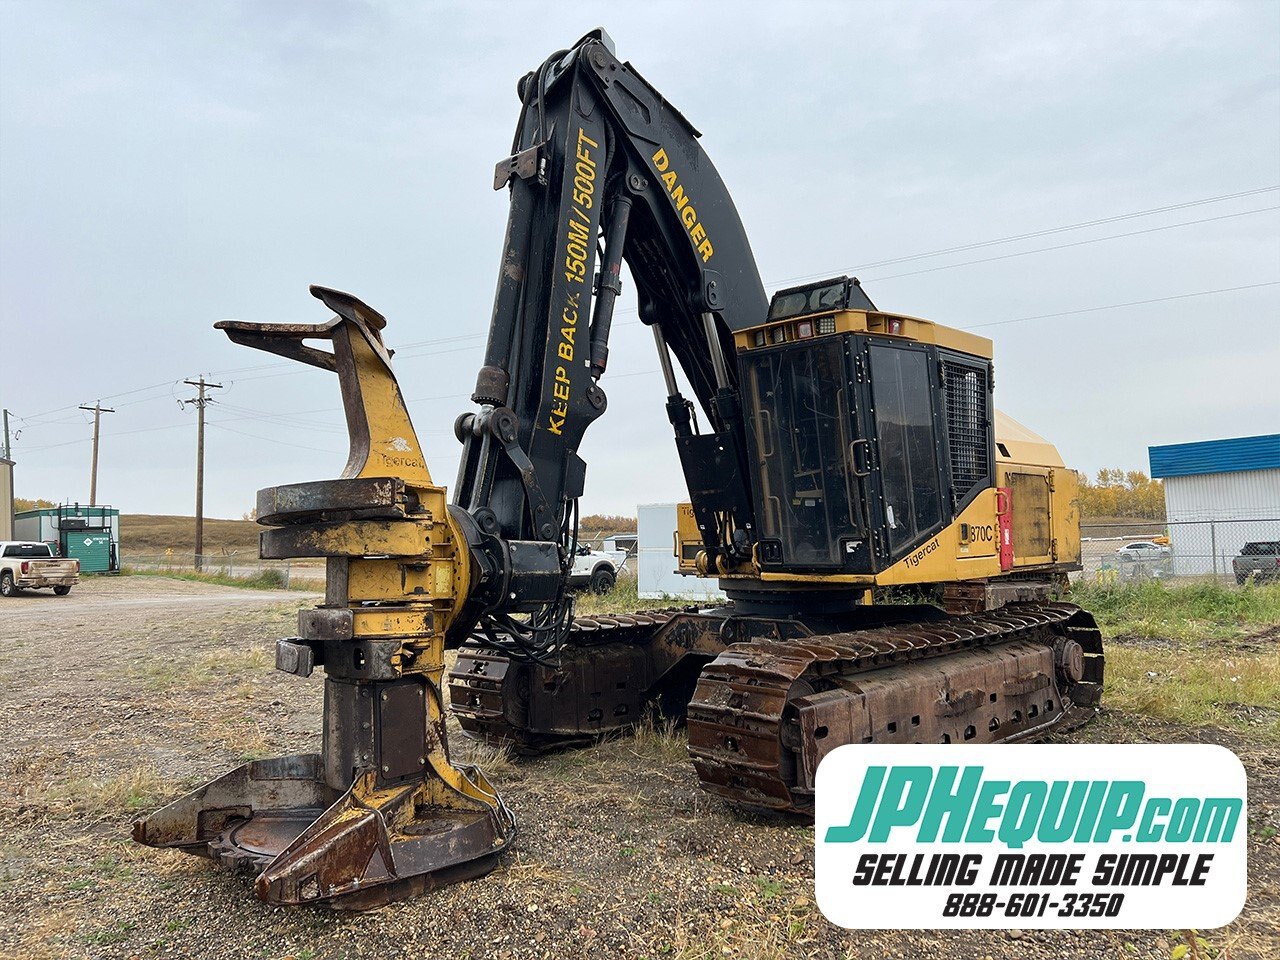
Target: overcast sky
point(163, 166)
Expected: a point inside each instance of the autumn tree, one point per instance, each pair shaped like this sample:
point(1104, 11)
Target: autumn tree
point(1122, 493)
point(607, 523)
point(22, 503)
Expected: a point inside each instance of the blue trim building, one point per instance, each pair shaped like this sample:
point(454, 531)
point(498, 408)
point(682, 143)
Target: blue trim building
point(1219, 495)
point(1216, 456)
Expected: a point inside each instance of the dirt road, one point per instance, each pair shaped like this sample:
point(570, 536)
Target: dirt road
point(130, 690)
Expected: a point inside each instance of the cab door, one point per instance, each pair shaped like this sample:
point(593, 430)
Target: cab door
point(902, 417)
point(800, 401)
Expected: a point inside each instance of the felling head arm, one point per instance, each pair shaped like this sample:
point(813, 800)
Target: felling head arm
point(383, 441)
point(381, 812)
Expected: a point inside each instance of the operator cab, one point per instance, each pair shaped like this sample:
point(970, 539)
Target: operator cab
point(868, 432)
point(842, 293)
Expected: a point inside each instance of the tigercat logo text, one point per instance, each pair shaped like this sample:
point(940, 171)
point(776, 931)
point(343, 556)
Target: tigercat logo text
point(684, 206)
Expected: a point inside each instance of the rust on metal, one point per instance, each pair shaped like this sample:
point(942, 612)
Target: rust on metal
point(381, 812)
point(766, 699)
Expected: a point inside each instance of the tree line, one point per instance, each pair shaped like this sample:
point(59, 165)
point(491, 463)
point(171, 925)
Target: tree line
point(1122, 493)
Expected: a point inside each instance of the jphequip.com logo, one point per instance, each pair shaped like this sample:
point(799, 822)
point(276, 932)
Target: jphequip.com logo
point(919, 836)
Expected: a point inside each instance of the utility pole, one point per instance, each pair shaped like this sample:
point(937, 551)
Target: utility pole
point(200, 402)
point(98, 410)
point(7, 448)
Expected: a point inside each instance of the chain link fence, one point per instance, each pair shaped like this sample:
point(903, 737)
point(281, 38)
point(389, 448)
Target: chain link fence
point(1229, 551)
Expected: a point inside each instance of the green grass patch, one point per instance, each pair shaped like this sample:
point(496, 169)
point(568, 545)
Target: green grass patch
point(1232, 690)
point(268, 579)
point(132, 791)
point(112, 935)
point(1202, 611)
point(623, 598)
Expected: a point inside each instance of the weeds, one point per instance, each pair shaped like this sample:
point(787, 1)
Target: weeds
point(266, 579)
point(1235, 691)
point(117, 934)
point(1192, 612)
point(660, 741)
point(623, 598)
point(768, 887)
point(138, 789)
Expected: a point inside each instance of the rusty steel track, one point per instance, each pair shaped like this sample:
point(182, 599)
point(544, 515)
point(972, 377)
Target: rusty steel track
point(765, 713)
point(481, 694)
point(767, 708)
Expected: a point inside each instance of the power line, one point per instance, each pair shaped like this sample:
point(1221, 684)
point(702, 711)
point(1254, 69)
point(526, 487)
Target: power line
point(98, 410)
point(404, 349)
point(122, 433)
point(264, 416)
point(33, 419)
point(1075, 243)
point(273, 440)
point(964, 247)
point(200, 402)
point(112, 396)
point(1117, 306)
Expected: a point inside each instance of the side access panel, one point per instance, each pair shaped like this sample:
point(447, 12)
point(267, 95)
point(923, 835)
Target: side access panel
point(1031, 514)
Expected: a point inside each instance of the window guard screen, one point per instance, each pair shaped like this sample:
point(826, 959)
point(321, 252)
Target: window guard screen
point(968, 425)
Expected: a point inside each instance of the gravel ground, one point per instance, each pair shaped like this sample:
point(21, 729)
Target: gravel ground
point(130, 690)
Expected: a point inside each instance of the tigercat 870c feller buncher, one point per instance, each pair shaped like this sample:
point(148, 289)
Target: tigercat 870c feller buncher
point(831, 450)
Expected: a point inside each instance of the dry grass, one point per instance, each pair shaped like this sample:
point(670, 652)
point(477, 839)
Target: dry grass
point(768, 921)
point(659, 741)
point(138, 788)
point(271, 578)
point(144, 533)
point(197, 675)
point(492, 758)
point(1215, 687)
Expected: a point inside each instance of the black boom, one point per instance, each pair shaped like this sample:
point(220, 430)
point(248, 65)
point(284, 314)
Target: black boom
point(602, 171)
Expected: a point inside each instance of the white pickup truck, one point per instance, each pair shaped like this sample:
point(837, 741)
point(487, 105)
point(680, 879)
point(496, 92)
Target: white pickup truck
point(26, 565)
point(596, 570)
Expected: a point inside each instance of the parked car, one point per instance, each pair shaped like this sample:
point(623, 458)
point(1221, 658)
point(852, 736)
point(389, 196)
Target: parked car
point(596, 570)
point(1144, 558)
point(1259, 559)
point(28, 565)
point(1142, 550)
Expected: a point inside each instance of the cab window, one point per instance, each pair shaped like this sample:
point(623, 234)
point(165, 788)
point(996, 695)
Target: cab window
point(802, 433)
point(28, 551)
point(901, 393)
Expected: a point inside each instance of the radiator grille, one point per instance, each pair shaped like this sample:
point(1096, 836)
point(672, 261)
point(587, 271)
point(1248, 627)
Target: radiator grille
point(968, 419)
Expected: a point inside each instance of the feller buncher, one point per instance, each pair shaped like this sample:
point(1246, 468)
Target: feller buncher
point(832, 451)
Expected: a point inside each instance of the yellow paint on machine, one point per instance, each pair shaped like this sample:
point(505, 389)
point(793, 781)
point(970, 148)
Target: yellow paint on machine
point(685, 208)
point(895, 325)
point(394, 450)
point(1045, 523)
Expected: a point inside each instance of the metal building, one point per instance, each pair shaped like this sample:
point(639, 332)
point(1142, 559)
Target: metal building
point(6, 499)
point(1219, 495)
point(89, 534)
point(656, 576)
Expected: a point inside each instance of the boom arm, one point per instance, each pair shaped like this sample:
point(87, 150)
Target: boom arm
point(600, 155)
